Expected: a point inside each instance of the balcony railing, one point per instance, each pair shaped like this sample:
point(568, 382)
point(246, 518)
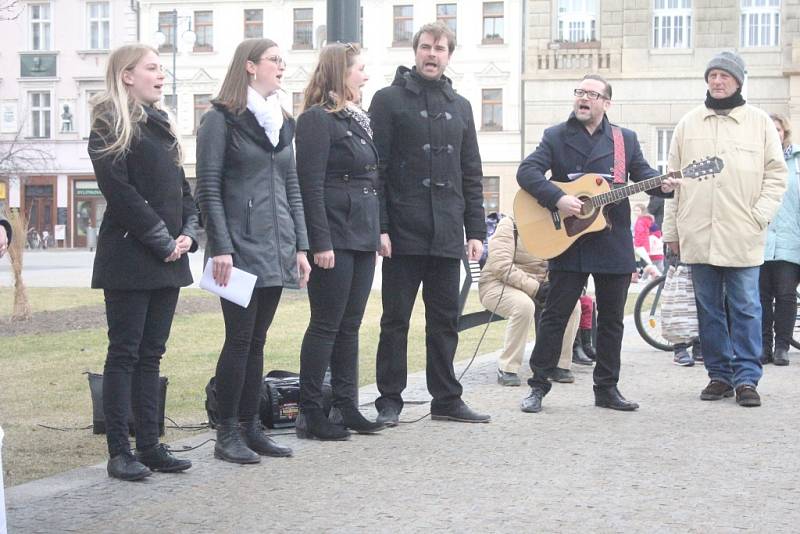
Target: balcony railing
point(573, 59)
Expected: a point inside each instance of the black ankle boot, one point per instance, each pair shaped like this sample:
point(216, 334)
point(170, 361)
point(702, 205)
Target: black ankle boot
point(578, 354)
point(125, 466)
point(312, 424)
point(781, 356)
point(352, 418)
point(256, 440)
point(230, 446)
point(586, 343)
point(159, 458)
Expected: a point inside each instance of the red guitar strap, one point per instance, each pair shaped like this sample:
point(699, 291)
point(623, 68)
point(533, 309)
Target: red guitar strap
point(619, 155)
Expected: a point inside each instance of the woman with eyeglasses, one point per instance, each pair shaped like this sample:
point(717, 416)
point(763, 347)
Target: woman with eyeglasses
point(250, 202)
point(337, 165)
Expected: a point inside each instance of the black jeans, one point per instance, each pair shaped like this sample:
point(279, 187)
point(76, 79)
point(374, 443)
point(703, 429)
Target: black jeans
point(138, 328)
point(241, 363)
point(611, 291)
point(777, 283)
point(402, 276)
point(338, 298)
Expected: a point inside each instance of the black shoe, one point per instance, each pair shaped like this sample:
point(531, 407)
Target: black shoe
point(716, 390)
point(586, 343)
point(230, 445)
point(612, 398)
point(781, 356)
point(558, 374)
point(507, 379)
point(746, 395)
point(533, 402)
point(260, 443)
point(579, 355)
point(125, 466)
point(352, 418)
point(459, 412)
point(388, 416)
point(312, 424)
point(159, 458)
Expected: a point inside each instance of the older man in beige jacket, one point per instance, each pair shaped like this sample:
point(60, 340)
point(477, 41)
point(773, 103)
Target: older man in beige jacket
point(510, 281)
point(719, 225)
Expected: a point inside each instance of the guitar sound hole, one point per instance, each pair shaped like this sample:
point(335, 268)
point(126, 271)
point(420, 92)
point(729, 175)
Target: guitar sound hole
point(587, 210)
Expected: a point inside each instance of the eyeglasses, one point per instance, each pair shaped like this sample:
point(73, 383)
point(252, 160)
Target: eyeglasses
point(278, 60)
point(591, 95)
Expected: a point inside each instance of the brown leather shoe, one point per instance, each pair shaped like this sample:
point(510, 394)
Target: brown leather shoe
point(746, 395)
point(716, 390)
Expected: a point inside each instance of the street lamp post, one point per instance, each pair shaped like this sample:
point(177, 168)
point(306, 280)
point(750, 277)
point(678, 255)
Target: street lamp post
point(189, 37)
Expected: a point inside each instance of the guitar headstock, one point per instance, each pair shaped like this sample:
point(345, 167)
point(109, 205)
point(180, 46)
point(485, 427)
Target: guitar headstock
point(698, 169)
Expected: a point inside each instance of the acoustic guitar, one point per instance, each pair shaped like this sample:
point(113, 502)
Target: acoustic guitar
point(547, 234)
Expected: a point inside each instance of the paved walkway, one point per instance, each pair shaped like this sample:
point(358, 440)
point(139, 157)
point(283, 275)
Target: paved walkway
point(676, 465)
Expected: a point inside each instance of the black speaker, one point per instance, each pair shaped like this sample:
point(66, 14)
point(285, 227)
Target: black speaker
point(99, 420)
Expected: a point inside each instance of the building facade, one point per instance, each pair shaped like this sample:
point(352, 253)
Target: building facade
point(53, 60)
point(654, 53)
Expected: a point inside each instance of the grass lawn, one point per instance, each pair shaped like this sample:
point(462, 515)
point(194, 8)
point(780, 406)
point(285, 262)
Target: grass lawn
point(42, 380)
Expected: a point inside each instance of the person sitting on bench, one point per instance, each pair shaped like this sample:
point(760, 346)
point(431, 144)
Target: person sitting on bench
point(512, 283)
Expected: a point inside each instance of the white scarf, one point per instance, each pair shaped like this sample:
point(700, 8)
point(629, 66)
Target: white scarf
point(268, 113)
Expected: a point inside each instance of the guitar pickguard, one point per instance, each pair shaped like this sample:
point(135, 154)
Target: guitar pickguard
point(575, 225)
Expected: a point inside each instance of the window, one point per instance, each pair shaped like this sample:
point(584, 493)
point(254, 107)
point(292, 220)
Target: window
point(447, 13)
point(492, 110)
point(664, 138)
point(253, 23)
point(303, 28)
point(40, 26)
point(403, 25)
point(761, 23)
point(166, 25)
point(297, 103)
point(99, 25)
point(672, 24)
point(493, 22)
point(491, 194)
point(201, 105)
point(577, 20)
point(40, 114)
point(204, 29)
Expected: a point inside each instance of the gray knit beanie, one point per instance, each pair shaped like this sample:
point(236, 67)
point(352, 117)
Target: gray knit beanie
point(730, 62)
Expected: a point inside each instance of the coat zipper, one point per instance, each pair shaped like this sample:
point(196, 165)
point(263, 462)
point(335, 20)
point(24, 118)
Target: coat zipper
point(249, 212)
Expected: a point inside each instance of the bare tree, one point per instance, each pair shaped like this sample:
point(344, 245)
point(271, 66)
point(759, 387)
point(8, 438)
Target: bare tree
point(10, 9)
point(19, 155)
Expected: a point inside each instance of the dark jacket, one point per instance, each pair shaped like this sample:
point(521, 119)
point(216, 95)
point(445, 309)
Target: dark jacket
point(337, 164)
point(430, 166)
point(564, 150)
point(148, 205)
point(4, 222)
point(249, 196)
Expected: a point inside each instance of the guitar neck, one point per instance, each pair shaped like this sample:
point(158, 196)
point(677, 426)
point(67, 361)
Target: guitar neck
point(623, 192)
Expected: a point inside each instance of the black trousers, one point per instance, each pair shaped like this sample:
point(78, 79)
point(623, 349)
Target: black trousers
point(611, 291)
point(138, 328)
point(338, 298)
point(777, 284)
point(402, 276)
point(240, 366)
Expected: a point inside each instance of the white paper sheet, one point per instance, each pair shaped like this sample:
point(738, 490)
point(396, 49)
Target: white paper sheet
point(239, 289)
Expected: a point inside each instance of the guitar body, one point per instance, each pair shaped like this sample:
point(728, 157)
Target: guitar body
point(541, 235)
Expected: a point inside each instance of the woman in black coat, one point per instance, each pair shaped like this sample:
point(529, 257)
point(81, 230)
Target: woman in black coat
point(337, 166)
point(141, 262)
point(250, 201)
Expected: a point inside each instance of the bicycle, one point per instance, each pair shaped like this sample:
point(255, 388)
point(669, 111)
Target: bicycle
point(647, 316)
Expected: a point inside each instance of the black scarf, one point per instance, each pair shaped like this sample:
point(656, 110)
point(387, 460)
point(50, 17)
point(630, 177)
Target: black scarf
point(733, 101)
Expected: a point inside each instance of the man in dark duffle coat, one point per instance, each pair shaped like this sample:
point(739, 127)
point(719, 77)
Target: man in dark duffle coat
point(431, 168)
point(585, 144)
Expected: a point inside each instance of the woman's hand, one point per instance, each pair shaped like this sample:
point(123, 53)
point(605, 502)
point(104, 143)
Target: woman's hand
point(174, 255)
point(325, 259)
point(386, 246)
point(303, 268)
point(184, 243)
point(221, 269)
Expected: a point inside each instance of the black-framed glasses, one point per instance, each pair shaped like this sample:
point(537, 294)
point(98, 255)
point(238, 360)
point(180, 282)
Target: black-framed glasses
point(278, 60)
point(591, 95)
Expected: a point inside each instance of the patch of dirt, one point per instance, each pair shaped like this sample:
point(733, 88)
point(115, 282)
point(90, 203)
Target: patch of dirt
point(83, 317)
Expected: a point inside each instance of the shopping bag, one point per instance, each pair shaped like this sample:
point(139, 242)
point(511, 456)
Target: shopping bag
point(678, 307)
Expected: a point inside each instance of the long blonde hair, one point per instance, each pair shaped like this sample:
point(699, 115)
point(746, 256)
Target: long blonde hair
point(115, 113)
point(787, 128)
point(328, 85)
point(233, 94)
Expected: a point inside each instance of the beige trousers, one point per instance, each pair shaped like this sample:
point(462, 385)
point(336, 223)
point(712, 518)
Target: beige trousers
point(517, 307)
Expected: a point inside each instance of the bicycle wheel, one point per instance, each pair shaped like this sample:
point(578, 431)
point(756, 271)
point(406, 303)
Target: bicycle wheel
point(795, 341)
point(647, 315)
